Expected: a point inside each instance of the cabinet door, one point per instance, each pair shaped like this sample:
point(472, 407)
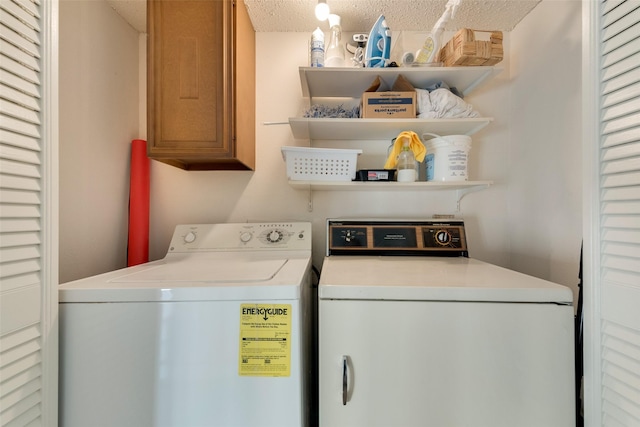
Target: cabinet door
point(191, 86)
point(445, 364)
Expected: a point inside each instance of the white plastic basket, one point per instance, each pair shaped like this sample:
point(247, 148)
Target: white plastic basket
point(320, 164)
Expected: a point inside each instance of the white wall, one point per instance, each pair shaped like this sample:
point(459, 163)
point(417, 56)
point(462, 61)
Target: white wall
point(98, 119)
point(545, 189)
point(522, 221)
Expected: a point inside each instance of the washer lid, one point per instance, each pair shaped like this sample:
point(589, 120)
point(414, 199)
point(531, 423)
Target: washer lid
point(197, 277)
point(432, 279)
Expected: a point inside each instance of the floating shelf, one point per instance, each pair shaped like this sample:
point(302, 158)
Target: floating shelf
point(367, 129)
point(350, 82)
point(389, 186)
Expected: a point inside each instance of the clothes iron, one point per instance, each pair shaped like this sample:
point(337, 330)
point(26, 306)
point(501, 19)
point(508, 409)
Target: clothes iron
point(378, 45)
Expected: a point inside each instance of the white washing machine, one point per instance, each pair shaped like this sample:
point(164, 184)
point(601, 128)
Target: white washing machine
point(218, 333)
point(412, 332)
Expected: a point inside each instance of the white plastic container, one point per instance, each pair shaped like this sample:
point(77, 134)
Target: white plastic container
point(320, 164)
point(447, 157)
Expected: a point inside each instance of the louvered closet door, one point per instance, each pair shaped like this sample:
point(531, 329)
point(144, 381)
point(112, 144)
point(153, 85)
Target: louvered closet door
point(618, 280)
point(28, 349)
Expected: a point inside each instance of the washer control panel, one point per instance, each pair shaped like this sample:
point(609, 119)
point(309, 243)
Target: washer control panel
point(241, 236)
point(396, 237)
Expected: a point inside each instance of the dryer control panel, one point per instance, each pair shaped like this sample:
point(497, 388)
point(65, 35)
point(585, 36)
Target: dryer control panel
point(396, 237)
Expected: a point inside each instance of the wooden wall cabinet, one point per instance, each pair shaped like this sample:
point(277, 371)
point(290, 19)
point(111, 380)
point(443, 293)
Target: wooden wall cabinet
point(201, 84)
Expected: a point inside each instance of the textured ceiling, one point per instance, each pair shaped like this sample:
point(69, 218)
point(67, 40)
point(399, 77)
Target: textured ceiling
point(360, 15)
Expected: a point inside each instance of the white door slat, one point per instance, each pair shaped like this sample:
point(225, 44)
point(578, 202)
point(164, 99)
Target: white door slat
point(29, 33)
point(21, 380)
point(19, 268)
point(624, 207)
point(21, 43)
point(10, 80)
point(623, 137)
point(13, 397)
point(21, 14)
point(620, 19)
point(32, 7)
point(621, 278)
point(19, 211)
point(622, 109)
point(621, 236)
point(628, 222)
point(621, 180)
point(626, 122)
point(19, 338)
point(19, 98)
point(19, 365)
point(627, 337)
point(29, 417)
point(619, 83)
point(21, 156)
point(620, 194)
point(621, 249)
point(627, 65)
point(619, 152)
point(20, 182)
point(15, 225)
point(19, 308)
point(16, 62)
point(19, 239)
point(615, 379)
point(15, 282)
point(622, 165)
point(19, 253)
point(622, 46)
point(629, 92)
point(13, 139)
point(19, 197)
point(619, 305)
point(608, 7)
point(18, 126)
point(618, 407)
point(20, 112)
point(630, 265)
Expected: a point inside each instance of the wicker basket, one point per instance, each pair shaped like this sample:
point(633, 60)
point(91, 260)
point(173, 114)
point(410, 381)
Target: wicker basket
point(463, 49)
point(320, 164)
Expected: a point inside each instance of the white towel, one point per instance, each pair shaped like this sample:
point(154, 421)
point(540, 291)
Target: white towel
point(442, 104)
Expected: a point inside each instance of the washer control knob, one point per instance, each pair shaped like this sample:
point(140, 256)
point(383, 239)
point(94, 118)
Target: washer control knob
point(245, 237)
point(274, 236)
point(190, 237)
point(443, 237)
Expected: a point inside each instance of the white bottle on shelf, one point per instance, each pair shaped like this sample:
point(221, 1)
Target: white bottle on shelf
point(317, 48)
point(406, 164)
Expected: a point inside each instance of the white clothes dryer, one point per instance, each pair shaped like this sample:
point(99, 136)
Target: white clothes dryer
point(218, 333)
point(413, 332)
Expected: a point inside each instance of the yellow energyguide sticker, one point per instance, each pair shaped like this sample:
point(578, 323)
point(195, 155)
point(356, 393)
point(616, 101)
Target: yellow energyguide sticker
point(265, 340)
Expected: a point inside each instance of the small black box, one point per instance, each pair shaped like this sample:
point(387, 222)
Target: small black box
point(375, 175)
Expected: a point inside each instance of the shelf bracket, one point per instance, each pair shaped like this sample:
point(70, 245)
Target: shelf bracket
point(461, 192)
point(310, 201)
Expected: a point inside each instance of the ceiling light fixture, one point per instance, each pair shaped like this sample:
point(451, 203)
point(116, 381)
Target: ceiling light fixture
point(322, 10)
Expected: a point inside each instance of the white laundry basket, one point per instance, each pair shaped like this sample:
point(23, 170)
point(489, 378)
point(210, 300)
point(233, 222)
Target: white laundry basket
point(320, 164)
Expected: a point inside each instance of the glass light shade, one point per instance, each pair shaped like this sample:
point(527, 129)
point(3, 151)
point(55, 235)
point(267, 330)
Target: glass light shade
point(322, 10)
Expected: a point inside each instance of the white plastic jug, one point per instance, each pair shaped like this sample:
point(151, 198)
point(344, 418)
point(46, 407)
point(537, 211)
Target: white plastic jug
point(447, 157)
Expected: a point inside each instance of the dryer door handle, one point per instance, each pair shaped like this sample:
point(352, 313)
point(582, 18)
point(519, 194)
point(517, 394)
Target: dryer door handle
point(345, 379)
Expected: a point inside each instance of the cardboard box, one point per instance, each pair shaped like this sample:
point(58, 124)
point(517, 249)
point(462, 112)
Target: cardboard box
point(398, 103)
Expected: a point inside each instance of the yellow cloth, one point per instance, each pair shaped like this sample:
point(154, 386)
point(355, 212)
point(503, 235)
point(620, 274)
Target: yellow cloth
point(415, 145)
